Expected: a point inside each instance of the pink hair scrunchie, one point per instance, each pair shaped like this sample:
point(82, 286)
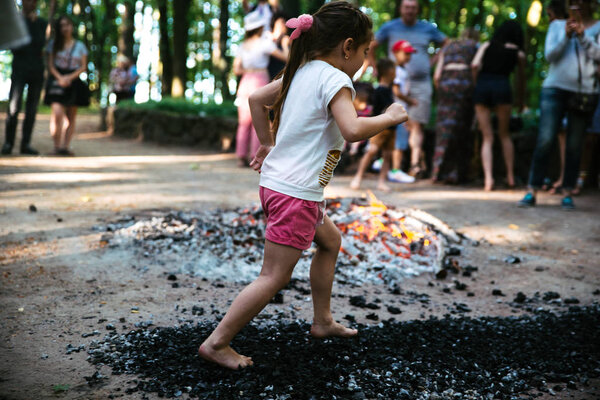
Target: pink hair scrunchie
point(301, 24)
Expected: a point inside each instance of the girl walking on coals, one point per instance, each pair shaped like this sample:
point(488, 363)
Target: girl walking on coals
point(313, 114)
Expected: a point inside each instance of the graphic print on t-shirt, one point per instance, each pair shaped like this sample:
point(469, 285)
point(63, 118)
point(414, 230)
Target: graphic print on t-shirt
point(333, 157)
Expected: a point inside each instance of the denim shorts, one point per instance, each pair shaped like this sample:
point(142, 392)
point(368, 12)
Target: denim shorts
point(492, 90)
point(401, 137)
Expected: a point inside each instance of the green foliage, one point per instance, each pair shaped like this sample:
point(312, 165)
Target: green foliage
point(182, 106)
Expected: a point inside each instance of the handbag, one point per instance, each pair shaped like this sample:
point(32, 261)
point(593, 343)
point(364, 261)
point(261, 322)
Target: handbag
point(582, 103)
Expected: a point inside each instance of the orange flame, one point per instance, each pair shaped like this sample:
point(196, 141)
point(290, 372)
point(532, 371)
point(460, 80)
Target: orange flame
point(379, 223)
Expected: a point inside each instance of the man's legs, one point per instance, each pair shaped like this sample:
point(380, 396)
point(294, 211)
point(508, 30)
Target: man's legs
point(14, 106)
point(34, 89)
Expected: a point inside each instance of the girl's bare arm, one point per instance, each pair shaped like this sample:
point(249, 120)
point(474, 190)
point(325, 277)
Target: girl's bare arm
point(354, 129)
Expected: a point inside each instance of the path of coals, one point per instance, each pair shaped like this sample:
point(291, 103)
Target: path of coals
point(482, 358)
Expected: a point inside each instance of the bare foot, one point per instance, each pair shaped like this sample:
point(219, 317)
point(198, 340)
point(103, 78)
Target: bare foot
point(489, 185)
point(383, 187)
point(355, 183)
point(225, 357)
point(332, 329)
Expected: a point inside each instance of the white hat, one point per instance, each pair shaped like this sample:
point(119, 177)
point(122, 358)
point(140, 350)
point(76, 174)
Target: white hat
point(122, 58)
point(254, 20)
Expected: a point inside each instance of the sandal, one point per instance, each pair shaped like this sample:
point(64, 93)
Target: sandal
point(556, 189)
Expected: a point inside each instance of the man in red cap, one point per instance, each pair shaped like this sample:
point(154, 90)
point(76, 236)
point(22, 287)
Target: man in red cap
point(420, 34)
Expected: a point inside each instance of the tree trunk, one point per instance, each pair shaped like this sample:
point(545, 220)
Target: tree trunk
point(222, 64)
point(166, 57)
point(126, 30)
point(180, 45)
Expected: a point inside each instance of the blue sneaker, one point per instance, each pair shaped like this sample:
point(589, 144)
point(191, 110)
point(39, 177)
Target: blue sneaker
point(567, 203)
point(527, 201)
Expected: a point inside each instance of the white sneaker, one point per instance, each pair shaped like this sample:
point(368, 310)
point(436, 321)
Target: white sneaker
point(400, 176)
point(377, 164)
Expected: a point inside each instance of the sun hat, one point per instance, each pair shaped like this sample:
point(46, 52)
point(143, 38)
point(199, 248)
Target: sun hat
point(254, 20)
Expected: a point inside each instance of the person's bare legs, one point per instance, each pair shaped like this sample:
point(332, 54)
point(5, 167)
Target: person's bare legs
point(71, 115)
point(383, 172)
point(503, 113)
point(562, 146)
point(397, 159)
point(483, 114)
point(363, 165)
point(56, 124)
point(279, 262)
point(415, 140)
point(322, 268)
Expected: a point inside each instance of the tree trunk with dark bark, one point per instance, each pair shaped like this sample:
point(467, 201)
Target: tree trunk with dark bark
point(166, 57)
point(126, 30)
point(180, 45)
point(221, 63)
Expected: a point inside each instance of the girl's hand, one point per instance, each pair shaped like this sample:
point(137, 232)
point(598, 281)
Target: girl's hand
point(64, 82)
point(259, 158)
point(397, 113)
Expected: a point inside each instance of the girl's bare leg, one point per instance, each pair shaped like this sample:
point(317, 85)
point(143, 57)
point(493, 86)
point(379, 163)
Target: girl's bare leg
point(322, 269)
point(383, 172)
point(56, 124)
point(503, 113)
point(71, 115)
point(279, 262)
point(363, 165)
point(483, 114)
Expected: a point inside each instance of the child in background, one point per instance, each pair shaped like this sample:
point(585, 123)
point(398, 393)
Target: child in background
point(402, 50)
point(313, 114)
point(383, 97)
point(364, 92)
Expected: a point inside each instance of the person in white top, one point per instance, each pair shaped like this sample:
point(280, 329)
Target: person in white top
point(251, 63)
point(313, 114)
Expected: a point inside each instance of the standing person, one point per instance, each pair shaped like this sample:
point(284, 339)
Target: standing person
point(403, 52)
point(556, 10)
point(573, 51)
point(123, 78)
point(313, 114)
point(27, 70)
point(383, 97)
point(67, 59)
point(493, 64)
point(420, 34)
point(280, 37)
point(251, 63)
point(454, 82)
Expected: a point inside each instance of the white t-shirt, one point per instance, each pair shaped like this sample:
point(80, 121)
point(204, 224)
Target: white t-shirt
point(403, 83)
point(69, 58)
point(255, 55)
point(308, 143)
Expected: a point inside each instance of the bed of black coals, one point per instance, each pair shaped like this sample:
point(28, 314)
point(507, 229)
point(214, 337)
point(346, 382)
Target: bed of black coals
point(450, 358)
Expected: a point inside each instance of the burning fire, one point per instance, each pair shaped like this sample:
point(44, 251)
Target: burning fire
point(377, 223)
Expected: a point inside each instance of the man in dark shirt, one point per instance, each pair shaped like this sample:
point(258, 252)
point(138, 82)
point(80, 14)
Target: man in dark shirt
point(27, 69)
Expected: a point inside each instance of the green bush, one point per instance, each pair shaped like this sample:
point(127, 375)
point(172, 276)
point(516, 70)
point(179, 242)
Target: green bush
point(182, 106)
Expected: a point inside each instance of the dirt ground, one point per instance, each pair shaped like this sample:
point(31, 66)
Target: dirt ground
point(58, 282)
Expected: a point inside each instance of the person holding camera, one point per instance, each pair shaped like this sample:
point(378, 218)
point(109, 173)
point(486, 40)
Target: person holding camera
point(571, 89)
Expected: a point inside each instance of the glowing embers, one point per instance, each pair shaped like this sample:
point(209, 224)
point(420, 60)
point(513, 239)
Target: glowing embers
point(380, 244)
point(399, 234)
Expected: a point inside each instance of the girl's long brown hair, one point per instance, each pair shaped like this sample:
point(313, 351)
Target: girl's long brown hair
point(332, 24)
point(59, 39)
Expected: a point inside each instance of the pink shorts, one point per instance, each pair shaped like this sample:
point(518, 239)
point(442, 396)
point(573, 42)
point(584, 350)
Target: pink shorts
point(290, 221)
